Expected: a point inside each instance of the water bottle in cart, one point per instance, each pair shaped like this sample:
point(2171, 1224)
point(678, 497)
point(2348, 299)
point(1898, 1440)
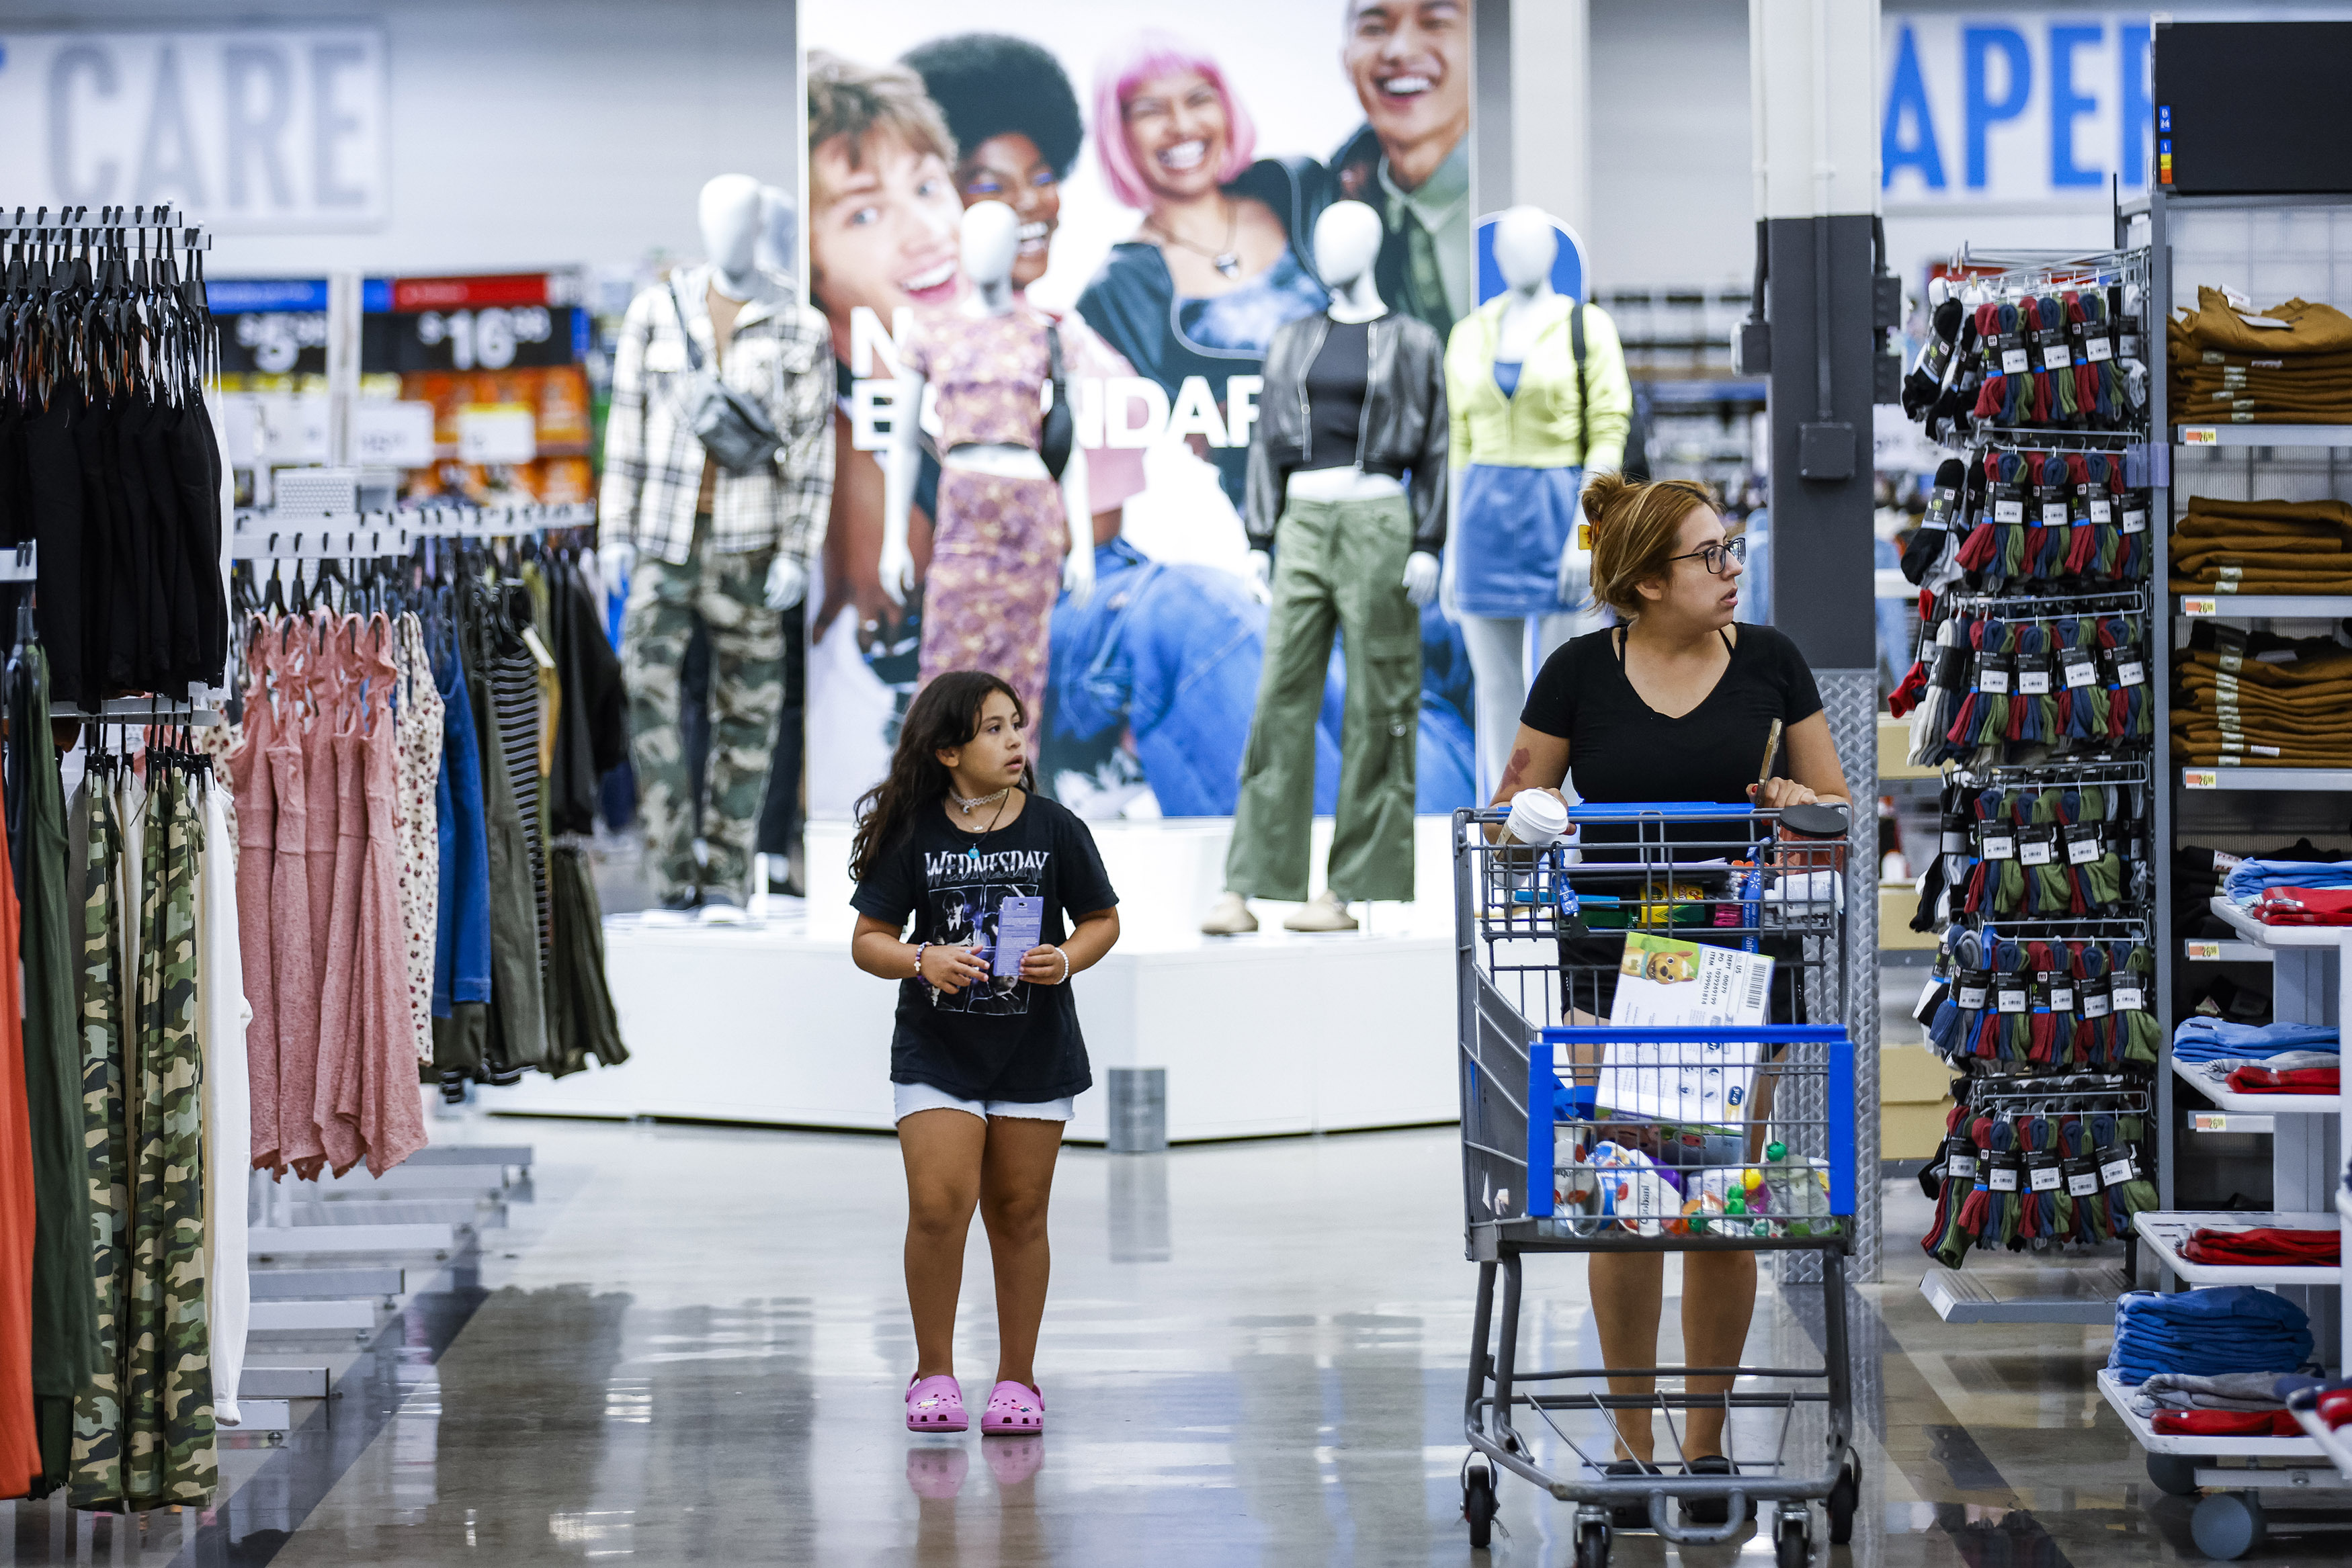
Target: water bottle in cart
point(1797, 1195)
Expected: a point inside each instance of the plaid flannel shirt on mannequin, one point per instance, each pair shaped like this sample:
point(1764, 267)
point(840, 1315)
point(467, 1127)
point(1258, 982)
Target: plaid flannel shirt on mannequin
point(782, 357)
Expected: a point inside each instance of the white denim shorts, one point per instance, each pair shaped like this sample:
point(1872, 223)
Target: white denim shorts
point(906, 1099)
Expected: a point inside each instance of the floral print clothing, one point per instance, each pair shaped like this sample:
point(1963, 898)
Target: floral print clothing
point(989, 373)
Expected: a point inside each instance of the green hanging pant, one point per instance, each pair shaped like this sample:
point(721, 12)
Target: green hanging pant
point(1339, 565)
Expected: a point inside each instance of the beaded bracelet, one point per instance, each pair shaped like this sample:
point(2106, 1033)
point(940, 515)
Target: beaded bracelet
point(919, 948)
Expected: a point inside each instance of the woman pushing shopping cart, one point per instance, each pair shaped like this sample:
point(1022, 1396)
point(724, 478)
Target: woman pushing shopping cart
point(1589, 1127)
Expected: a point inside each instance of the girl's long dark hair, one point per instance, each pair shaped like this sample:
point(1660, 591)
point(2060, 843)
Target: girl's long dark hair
point(943, 716)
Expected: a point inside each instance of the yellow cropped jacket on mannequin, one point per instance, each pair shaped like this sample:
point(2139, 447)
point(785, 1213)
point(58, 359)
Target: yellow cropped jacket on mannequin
point(1540, 427)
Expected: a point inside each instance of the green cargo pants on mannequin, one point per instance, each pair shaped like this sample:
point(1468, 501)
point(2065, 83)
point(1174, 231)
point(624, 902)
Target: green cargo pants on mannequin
point(1336, 564)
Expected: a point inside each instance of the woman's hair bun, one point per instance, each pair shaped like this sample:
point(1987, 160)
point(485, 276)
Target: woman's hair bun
point(1602, 490)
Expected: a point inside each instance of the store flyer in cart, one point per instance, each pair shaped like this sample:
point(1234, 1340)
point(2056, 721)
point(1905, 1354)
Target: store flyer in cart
point(1664, 982)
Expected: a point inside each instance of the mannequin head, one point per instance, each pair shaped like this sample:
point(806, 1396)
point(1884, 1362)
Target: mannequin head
point(1347, 243)
point(1526, 246)
point(729, 212)
point(779, 229)
point(991, 235)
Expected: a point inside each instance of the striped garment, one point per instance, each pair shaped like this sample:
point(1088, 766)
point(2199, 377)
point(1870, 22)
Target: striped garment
point(514, 703)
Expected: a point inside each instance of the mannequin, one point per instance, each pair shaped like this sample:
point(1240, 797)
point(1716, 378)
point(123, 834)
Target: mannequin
point(1359, 490)
point(1518, 456)
point(1001, 525)
point(703, 550)
point(779, 230)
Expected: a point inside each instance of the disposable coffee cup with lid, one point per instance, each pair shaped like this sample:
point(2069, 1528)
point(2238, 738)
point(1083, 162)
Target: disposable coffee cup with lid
point(1536, 819)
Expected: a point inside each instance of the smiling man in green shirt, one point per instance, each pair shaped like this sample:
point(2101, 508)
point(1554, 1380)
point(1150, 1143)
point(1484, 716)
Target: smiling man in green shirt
point(1409, 61)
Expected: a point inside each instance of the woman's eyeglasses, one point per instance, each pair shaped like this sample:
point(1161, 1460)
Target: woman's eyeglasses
point(1714, 558)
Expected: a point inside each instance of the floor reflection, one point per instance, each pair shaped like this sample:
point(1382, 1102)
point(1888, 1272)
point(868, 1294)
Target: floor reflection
point(697, 1359)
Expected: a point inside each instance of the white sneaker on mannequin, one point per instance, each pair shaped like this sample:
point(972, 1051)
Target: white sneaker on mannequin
point(1229, 916)
point(1321, 913)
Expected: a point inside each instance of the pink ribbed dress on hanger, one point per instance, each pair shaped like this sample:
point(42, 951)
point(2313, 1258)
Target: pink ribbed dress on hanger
point(340, 1048)
point(292, 926)
point(257, 850)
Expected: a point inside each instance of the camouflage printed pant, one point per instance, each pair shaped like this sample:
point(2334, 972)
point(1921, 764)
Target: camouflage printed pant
point(727, 594)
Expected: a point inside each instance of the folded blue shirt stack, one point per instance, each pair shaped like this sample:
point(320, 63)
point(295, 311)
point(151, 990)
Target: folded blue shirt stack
point(2248, 878)
point(2203, 1039)
point(2221, 1329)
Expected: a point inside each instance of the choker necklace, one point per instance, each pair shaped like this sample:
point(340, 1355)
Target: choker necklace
point(977, 801)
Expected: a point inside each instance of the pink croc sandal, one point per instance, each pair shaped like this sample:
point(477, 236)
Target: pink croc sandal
point(935, 1404)
point(1013, 1408)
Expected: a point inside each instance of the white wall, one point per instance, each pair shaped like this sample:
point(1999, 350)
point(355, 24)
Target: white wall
point(529, 133)
point(1673, 193)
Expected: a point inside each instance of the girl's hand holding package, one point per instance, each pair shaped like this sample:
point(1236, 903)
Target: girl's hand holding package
point(951, 969)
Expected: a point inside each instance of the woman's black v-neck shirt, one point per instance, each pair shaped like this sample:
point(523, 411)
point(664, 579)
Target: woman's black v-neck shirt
point(1620, 748)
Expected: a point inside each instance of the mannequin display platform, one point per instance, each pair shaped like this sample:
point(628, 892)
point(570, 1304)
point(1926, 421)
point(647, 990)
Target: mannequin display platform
point(744, 1023)
point(1527, 424)
point(1353, 407)
point(1002, 549)
point(709, 551)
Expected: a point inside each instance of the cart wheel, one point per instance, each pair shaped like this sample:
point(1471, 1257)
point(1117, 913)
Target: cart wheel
point(1792, 1543)
point(1478, 1504)
point(2173, 1473)
point(2227, 1525)
point(1842, 1499)
point(1592, 1546)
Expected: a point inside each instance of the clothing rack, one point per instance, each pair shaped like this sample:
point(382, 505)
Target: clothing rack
point(318, 544)
point(2042, 607)
point(41, 228)
point(2091, 770)
point(2023, 271)
point(414, 523)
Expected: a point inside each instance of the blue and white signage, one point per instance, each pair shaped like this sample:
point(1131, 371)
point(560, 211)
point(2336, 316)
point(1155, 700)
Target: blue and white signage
point(2023, 108)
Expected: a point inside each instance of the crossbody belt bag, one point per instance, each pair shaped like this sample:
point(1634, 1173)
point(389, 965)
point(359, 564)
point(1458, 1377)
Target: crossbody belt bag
point(1059, 432)
point(733, 430)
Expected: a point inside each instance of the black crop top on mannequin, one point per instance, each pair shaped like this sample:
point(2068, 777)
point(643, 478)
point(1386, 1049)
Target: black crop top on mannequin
point(1335, 394)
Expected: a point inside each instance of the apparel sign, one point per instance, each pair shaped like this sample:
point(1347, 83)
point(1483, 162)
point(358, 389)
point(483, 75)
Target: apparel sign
point(279, 325)
point(245, 130)
point(2007, 107)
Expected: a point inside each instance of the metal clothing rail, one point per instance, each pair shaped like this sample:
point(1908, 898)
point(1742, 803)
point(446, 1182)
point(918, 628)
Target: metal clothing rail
point(70, 220)
point(298, 543)
point(411, 524)
point(2090, 770)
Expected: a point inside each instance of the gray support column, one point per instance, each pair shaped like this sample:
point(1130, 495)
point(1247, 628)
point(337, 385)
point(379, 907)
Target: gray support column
point(1492, 107)
point(1816, 194)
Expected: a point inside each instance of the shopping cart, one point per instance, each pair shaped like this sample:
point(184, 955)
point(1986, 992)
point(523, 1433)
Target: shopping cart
point(1579, 1136)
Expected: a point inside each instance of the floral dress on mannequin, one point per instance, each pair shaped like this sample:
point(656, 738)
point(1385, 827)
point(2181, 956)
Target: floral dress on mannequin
point(997, 544)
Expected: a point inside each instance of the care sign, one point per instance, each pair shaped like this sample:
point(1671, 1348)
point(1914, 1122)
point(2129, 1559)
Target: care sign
point(246, 129)
point(2013, 107)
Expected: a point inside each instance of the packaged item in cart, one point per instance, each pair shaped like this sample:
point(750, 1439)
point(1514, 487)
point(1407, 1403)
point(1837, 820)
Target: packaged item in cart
point(1664, 982)
point(1634, 1191)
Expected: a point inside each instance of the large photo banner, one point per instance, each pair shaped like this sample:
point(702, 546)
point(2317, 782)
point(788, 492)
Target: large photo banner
point(1167, 169)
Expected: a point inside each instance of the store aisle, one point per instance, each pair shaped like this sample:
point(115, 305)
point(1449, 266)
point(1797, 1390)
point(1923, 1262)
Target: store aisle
point(690, 1350)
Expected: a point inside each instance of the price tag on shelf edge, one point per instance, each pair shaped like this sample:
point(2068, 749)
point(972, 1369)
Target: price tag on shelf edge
point(2200, 435)
point(2205, 952)
point(2201, 607)
point(2199, 778)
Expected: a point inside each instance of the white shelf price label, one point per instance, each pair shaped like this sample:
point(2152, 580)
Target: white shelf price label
point(2200, 435)
point(2199, 778)
point(2205, 952)
point(2201, 607)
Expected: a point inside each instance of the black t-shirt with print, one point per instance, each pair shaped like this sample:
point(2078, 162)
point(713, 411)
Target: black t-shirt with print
point(1001, 1039)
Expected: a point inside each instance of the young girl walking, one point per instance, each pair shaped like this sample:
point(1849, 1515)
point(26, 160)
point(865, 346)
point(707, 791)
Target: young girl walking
point(986, 1057)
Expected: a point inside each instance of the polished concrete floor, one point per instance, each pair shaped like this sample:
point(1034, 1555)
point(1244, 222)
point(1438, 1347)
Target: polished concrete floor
point(688, 1348)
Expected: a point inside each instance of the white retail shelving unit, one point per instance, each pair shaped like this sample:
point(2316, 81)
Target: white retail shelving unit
point(2275, 247)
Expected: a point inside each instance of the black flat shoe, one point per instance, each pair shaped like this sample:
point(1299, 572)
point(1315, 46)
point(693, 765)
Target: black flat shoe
point(1631, 1516)
point(1711, 1511)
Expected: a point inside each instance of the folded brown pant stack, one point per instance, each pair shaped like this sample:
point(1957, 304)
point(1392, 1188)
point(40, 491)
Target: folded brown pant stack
point(2226, 371)
point(2262, 547)
point(2256, 700)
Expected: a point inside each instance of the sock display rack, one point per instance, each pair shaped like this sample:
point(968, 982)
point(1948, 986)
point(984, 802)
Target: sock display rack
point(2032, 692)
point(2220, 1148)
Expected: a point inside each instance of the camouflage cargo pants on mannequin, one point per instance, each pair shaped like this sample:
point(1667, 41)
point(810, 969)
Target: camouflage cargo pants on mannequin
point(726, 594)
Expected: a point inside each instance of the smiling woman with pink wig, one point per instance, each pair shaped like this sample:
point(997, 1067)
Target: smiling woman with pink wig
point(1219, 259)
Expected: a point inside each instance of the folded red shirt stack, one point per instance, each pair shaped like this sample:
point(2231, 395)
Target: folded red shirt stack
point(2227, 1423)
point(2304, 906)
point(2265, 1247)
point(2251, 1080)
